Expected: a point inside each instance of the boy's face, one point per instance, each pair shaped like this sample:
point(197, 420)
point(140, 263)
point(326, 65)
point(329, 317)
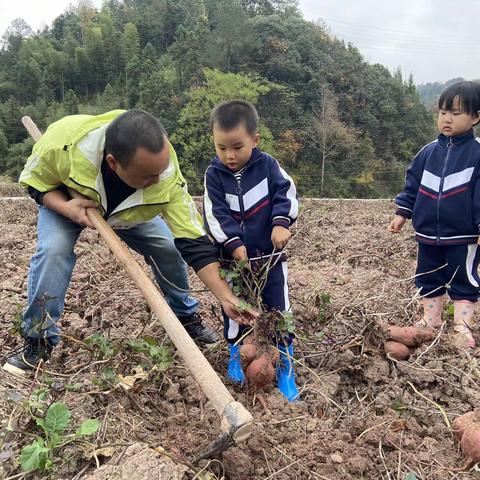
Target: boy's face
point(455, 121)
point(144, 168)
point(234, 147)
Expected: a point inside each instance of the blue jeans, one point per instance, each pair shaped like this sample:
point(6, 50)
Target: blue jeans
point(52, 265)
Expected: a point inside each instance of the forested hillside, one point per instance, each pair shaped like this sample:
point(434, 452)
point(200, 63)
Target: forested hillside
point(321, 103)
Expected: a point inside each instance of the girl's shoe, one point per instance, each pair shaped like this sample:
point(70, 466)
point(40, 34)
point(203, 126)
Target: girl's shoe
point(432, 312)
point(285, 373)
point(234, 369)
point(463, 321)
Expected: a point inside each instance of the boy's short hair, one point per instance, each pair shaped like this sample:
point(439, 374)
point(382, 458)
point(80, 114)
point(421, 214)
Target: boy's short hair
point(133, 130)
point(228, 115)
point(468, 94)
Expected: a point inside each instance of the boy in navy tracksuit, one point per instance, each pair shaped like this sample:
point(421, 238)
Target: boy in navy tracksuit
point(249, 204)
point(442, 196)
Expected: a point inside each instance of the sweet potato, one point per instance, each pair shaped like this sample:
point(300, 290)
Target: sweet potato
point(462, 423)
point(410, 336)
point(274, 355)
point(396, 350)
point(248, 352)
point(260, 372)
point(470, 443)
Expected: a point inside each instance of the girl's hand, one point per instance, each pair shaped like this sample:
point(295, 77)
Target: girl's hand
point(397, 224)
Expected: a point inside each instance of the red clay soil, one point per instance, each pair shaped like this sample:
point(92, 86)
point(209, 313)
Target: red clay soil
point(361, 416)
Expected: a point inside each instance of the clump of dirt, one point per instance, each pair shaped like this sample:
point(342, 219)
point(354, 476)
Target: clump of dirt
point(140, 461)
point(360, 414)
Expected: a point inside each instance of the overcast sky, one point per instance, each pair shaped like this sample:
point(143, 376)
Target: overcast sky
point(436, 40)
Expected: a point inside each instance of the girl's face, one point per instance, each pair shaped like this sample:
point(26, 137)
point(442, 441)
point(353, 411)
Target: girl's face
point(455, 121)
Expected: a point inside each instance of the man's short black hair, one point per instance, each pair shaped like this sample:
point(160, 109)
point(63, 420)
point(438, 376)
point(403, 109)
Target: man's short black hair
point(468, 94)
point(228, 115)
point(133, 130)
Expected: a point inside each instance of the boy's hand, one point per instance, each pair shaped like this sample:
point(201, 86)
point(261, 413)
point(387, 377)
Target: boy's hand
point(280, 236)
point(240, 253)
point(397, 224)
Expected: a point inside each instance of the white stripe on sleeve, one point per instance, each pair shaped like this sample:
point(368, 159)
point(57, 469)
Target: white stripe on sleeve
point(291, 194)
point(213, 223)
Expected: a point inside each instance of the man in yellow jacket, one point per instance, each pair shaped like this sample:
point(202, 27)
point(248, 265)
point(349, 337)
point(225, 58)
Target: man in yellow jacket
point(124, 164)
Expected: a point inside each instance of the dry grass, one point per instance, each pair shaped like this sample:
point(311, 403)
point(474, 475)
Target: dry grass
point(9, 188)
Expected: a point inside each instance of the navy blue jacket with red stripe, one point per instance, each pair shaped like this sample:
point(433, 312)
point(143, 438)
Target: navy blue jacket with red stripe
point(244, 212)
point(442, 191)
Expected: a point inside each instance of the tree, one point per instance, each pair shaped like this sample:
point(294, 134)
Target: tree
point(16, 158)
point(268, 7)
point(18, 28)
point(322, 136)
point(130, 43)
point(229, 36)
point(86, 13)
point(130, 55)
point(71, 103)
point(328, 134)
point(159, 94)
point(57, 67)
point(82, 67)
point(110, 99)
point(190, 38)
point(95, 51)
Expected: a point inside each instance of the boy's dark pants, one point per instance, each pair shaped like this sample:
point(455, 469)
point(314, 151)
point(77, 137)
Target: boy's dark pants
point(275, 296)
point(459, 277)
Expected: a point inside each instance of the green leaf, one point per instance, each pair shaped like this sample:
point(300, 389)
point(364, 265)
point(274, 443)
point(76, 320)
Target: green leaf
point(243, 305)
point(236, 290)
point(88, 427)
point(74, 387)
point(34, 456)
point(137, 345)
point(54, 439)
point(150, 340)
point(40, 422)
point(57, 418)
point(241, 264)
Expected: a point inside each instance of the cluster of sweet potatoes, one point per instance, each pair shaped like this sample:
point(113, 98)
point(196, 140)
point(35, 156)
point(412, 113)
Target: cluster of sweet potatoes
point(403, 340)
point(466, 429)
point(258, 363)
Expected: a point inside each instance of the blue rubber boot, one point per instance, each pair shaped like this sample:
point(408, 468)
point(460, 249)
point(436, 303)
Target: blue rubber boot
point(234, 369)
point(285, 373)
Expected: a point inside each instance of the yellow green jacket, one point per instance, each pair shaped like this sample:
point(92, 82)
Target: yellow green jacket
point(71, 153)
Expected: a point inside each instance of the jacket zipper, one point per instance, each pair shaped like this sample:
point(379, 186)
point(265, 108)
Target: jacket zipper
point(449, 149)
point(120, 211)
point(238, 191)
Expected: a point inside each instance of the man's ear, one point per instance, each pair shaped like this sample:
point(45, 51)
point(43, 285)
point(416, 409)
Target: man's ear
point(112, 163)
point(256, 139)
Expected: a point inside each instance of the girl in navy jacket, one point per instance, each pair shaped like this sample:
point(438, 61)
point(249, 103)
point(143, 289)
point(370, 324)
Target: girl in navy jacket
point(442, 197)
point(249, 204)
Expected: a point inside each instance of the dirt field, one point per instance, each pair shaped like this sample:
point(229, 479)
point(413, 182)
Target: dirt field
point(361, 416)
